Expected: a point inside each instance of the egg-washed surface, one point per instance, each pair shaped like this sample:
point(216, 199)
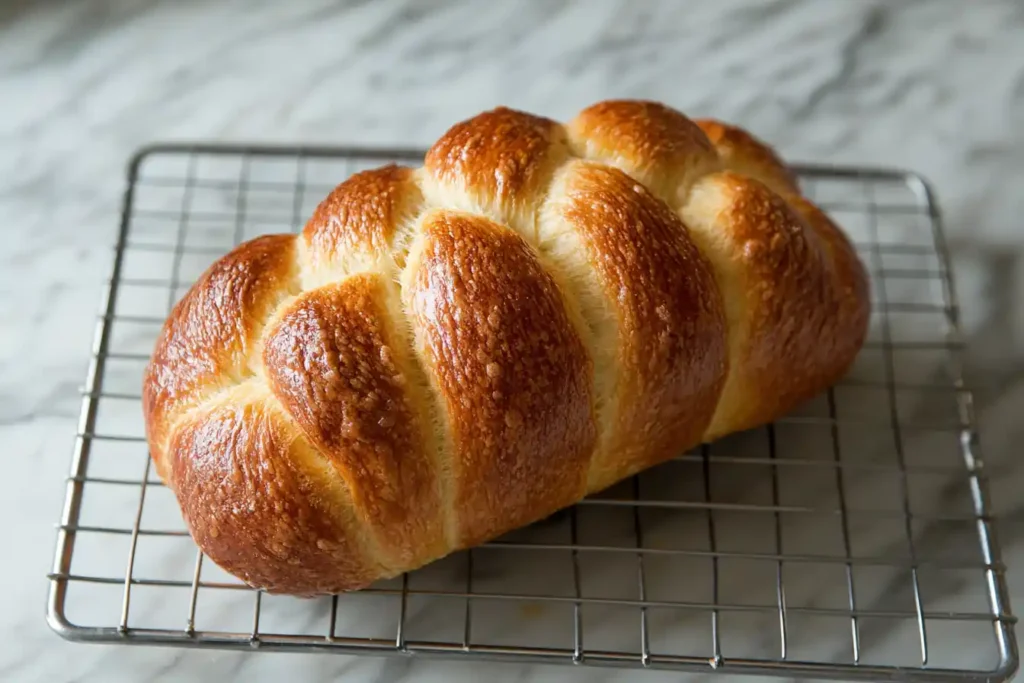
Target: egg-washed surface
point(454, 351)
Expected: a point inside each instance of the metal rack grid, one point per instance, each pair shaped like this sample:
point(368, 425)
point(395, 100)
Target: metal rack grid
point(833, 543)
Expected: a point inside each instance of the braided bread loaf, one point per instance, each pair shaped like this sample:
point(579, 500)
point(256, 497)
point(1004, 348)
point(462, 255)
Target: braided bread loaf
point(450, 352)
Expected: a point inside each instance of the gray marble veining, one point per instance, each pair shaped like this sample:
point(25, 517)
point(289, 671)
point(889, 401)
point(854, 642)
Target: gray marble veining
point(920, 85)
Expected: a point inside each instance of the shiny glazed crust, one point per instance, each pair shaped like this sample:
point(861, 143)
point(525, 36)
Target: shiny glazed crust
point(451, 352)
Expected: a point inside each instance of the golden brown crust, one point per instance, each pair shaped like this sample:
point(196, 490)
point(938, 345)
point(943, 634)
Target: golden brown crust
point(670, 349)
point(498, 163)
point(840, 329)
point(742, 152)
point(851, 296)
point(360, 217)
point(208, 342)
point(653, 143)
point(260, 505)
point(773, 274)
point(512, 373)
point(331, 360)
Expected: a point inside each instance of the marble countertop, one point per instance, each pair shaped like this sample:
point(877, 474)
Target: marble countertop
point(918, 85)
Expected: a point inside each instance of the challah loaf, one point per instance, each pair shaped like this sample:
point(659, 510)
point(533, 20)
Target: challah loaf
point(450, 352)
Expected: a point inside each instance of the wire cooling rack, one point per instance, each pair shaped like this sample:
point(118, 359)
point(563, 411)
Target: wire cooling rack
point(843, 541)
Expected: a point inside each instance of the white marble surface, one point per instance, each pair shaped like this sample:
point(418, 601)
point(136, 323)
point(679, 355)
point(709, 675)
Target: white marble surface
point(919, 85)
